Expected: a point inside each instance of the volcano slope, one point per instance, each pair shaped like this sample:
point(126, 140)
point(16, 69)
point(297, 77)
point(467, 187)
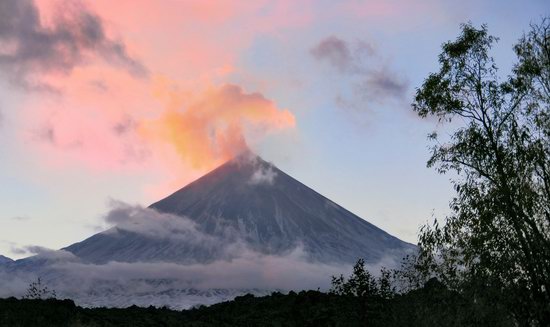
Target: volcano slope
point(253, 202)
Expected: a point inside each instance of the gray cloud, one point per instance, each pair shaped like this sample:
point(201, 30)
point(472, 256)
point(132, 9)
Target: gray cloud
point(46, 134)
point(28, 47)
point(99, 85)
point(124, 126)
point(21, 218)
point(385, 83)
point(131, 150)
point(43, 253)
point(50, 254)
point(250, 270)
point(17, 250)
point(175, 285)
point(335, 51)
point(370, 77)
point(263, 175)
point(240, 270)
point(154, 224)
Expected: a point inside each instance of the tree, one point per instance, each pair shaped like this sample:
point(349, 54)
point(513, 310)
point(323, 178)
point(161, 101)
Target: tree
point(374, 292)
point(39, 291)
point(361, 282)
point(496, 242)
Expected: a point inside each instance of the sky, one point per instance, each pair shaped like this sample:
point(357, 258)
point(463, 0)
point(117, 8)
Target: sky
point(131, 100)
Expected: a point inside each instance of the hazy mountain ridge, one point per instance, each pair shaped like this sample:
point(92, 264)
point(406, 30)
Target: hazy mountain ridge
point(4, 259)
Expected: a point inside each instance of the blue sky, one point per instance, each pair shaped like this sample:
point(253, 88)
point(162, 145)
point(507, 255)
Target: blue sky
point(345, 72)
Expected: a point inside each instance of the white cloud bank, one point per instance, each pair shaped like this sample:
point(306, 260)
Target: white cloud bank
point(239, 270)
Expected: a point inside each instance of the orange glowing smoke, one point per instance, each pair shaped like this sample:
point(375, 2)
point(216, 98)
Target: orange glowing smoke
point(213, 127)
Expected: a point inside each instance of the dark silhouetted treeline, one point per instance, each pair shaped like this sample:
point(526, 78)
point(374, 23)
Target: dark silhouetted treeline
point(432, 305)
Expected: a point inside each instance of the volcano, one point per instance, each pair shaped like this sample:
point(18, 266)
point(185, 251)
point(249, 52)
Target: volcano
point(266, 209)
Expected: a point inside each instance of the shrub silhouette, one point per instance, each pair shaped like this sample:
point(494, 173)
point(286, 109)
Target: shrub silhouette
point(37, 291)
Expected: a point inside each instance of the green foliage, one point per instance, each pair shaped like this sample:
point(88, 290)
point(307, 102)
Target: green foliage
point(495, 246)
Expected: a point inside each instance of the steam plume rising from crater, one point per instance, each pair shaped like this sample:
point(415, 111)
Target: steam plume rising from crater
point(216, 125)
